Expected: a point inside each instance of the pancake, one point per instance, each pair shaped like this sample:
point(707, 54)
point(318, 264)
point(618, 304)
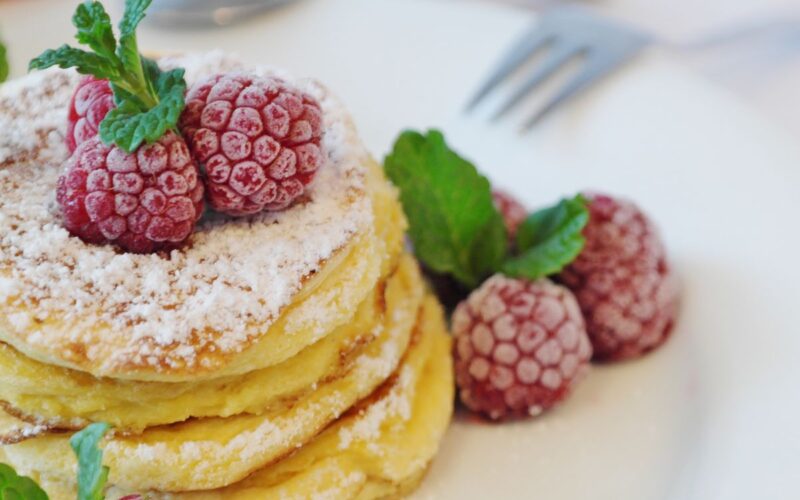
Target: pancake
point(205, 311)
point(379, 449)
point(293, 354)
point(212, 452)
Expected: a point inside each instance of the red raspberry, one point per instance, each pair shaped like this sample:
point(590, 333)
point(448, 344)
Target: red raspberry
point(512, 210)
point(622, 280)
point(520, 347)
point(257, 139)
point(90, 103)
point(145, 201)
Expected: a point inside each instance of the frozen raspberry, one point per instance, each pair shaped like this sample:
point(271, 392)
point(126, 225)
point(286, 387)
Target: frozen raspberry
point(257, 139)
point(519, 347)
point(90, 103)
point(144, 201)
point(622, 280)
point(512, 210)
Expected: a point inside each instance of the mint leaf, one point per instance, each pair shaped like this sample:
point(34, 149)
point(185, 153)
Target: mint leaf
point(3, 63)
point(151, 73)
point(92, 474)
point(13, 486)
point(128, 50)
point(549, 239)
point(133, 15)
point(86, 63)
point(454, 226)
point(128, 126)
point(94, 28)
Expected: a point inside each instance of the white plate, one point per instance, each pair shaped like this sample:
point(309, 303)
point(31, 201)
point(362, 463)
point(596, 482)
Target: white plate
point(714, 414)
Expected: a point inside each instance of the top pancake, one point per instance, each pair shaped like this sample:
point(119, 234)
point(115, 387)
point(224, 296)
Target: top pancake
point(195, 311)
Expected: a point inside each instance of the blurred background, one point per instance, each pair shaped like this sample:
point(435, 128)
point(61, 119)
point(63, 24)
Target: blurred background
point(761, 63)
point(763, 68)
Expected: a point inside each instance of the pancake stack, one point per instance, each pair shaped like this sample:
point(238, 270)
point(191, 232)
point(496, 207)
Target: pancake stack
point(293, 354)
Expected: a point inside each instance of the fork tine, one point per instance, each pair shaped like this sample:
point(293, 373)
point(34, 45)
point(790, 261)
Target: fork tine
point(594, 70)
point(558, 57)
point(531, 42)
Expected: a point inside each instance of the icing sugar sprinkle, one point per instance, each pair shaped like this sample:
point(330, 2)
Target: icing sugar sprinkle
point(368, 426)
point(235, 273)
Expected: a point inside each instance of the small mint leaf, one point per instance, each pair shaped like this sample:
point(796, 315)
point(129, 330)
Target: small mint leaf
point(549, 239)
point(150, 73)
point(542, 224)
point(121, 95)
point(94, 29)
point(86, 63)
point(453, 223)
point(128, 49)
point(14, 486)
point(148, 102)
point(3, 63)
point(133, 15)
point(92, 474)
point(168, 84)
point(128, 126)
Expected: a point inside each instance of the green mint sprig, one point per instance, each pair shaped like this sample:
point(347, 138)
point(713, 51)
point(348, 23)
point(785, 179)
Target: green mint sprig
point(455, 227)
point(3, 63)
point(549, 239)
point(92, 474)
point(148, 101)
point(453, 222)
point(15, 486)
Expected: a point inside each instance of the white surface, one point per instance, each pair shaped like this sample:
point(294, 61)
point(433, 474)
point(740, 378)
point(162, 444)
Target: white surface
point(714, 414)
point(764, 70)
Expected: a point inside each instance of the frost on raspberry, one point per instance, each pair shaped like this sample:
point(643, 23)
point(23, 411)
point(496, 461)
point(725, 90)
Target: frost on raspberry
point(144, 201)
point(623, 281)
point(90, 103)
point(138, 187)
point(257, 139)
point(520, 347)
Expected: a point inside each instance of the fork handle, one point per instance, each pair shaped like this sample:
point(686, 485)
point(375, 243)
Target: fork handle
point(778, 27)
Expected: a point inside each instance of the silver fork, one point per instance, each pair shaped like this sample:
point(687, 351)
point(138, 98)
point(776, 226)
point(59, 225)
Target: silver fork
point(566, 33)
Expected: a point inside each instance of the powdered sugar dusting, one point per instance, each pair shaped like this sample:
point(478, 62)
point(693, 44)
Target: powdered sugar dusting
point(341, 486)
point(28, 117)
point(397, 403)
point(235, 273)
point(13, 430)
